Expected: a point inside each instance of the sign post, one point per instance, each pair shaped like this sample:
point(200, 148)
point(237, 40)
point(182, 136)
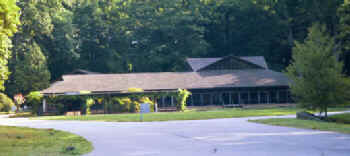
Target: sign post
point(144, 108)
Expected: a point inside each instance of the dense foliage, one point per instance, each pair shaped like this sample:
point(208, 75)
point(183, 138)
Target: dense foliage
point(115, 36)
point(34, 101)
point(181, 98)
point(89, 103)
point(6, 103)
point(316, 73)
point(9, 20)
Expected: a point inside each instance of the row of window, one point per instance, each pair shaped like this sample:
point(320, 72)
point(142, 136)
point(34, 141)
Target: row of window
point(227, 98)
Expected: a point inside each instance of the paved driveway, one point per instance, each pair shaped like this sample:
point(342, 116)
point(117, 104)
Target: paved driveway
point(221, 137)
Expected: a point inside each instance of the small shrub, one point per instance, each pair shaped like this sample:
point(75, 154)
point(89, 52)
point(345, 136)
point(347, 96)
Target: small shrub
point(61, 104)
point(128, 104)
point(135, 106)
point(146, 99)
point(19, 100)
point(89, 103)
point(121, 104)
point(34, 100)
point(182, 95)
point(6, 103)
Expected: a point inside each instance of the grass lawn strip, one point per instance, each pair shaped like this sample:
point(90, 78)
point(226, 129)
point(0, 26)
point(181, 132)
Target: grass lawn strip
point(37, 142)
point(307, 124)
point(191, 115)
point(341, 118)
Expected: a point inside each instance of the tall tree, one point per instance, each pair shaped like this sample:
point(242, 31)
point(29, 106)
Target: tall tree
point(344, 32)
point(316, 74)
point(45, 41)
point(9, 20)
point(150, 35)
point(29, 66)
point(166, 32)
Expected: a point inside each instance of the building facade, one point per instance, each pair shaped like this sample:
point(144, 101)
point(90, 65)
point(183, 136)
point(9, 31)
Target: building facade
point(229, 80)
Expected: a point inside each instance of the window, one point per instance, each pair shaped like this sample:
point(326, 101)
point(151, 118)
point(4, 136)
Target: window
point(196, 100)
point(264, 97)
point(254, 99)
point(206, 99)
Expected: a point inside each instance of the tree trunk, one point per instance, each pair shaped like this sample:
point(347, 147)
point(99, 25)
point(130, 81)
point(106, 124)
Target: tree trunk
point(290, 37)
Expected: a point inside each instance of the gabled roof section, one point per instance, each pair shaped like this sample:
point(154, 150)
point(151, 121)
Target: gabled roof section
point(119, 83)
point(258, 60)
point(198, 64)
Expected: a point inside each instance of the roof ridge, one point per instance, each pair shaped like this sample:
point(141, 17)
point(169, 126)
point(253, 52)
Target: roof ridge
point(230, 56)
point(206, 71)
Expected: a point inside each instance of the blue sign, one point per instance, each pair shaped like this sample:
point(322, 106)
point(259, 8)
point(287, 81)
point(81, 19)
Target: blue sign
point(145, 108)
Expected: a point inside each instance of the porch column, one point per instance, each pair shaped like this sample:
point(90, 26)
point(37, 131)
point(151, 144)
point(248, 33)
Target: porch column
point(201, 99)
point(172, 101)
point(249, 100)
point(163, 101)
point(239, 97)
point(230, 98)
point(155, 104)
point(192, 101)
point(44, 106)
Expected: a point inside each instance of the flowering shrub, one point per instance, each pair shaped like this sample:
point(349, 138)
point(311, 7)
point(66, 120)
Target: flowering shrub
point(19, 100)
point(89, 103)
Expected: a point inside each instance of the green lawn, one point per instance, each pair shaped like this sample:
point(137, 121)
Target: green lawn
point(307, 124)
point(191, 115)
point(341, 118)
point(35, 142)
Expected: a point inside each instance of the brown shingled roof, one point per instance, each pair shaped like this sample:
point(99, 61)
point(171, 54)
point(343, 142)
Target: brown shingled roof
point(258, 60)
point(168, 81)
point(199, 63)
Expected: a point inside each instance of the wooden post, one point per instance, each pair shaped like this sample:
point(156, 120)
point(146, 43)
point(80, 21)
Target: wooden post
point(202, 99)
point(239, 97)
point(249, 100)
point(155, 104)
point(230, 98)
point(220, 98)
point(44, 106)
point(172, 101)
point(192, 101)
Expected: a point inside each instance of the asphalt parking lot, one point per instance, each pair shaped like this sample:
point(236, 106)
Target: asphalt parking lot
point(222, 137)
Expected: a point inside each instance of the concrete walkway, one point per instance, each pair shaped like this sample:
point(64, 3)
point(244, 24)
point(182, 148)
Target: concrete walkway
point(221, 137)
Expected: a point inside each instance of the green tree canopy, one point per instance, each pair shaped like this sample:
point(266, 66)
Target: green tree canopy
point(316, 73)
point(29, 68)
point(9, 20)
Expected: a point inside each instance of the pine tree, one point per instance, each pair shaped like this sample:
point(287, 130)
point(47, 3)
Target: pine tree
point(344, 26)
point(30, 72)
point(315, 72)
